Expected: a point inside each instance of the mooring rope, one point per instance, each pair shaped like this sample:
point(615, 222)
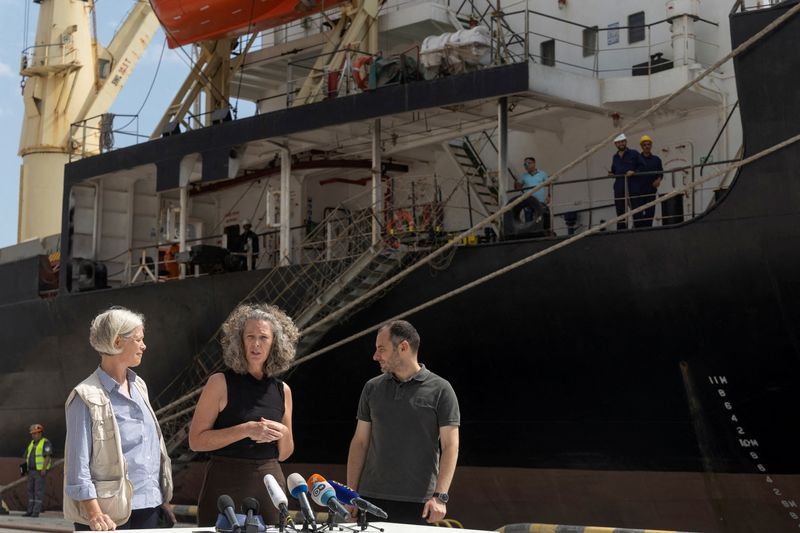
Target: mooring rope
point(556, 176)
point(550, 249)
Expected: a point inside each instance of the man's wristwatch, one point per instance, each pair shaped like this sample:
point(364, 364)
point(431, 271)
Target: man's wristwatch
point(441, 496)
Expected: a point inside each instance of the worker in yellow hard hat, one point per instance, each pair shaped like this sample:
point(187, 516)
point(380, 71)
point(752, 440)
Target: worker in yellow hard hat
point(648, 180)
point(38, 460)
point(624, 164)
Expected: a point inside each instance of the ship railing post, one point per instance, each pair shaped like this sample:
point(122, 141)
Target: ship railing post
point(527, 34)
point(628, 218)
point(129, 266)
point(285, 206)
point(289, 85)
point(502, 152)
point(184, 199)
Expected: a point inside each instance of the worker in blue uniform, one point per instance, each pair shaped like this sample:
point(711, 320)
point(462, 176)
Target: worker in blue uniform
point(647, 184)
point(625, 163)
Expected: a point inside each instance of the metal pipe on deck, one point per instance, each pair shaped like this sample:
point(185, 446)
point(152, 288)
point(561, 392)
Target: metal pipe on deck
point(285, 215)
point(377, 195)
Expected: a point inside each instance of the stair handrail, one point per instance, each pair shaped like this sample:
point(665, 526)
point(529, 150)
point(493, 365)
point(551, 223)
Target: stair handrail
point(311, 238)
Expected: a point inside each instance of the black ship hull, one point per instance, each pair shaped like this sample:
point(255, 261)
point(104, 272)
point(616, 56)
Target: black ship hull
point(644, 378)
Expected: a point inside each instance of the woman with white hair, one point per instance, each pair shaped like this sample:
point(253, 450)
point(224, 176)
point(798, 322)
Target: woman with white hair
point(117, 473)
point(244, 415)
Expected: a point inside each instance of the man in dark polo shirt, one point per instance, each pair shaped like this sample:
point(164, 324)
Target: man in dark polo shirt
point(407, 417)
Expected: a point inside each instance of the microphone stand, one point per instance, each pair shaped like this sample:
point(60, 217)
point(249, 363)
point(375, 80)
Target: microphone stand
point(363, 523)
point(293, 524)
point(330, 523)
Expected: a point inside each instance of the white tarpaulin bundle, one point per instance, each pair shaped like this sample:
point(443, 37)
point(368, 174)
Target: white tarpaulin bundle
point(456, 52)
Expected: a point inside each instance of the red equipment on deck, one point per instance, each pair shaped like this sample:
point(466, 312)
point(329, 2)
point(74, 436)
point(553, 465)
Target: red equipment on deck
point(189, 21)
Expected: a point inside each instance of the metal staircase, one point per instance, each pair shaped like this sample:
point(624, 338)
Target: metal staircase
point(481, 183)
point(369, 270)
point(480, 186)
point(340, 264)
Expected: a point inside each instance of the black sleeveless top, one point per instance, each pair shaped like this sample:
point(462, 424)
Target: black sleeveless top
point(249, 399)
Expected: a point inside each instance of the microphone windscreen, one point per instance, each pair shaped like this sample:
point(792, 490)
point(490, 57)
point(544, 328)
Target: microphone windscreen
point(250, 504)
point(296, 484)
point(315, 478)
point(343, 492)
point(275, 491)
point(224, 502)
point(321, 492)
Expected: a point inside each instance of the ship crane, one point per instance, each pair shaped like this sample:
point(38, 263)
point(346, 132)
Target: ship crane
point(215, 31)
point(69, 78)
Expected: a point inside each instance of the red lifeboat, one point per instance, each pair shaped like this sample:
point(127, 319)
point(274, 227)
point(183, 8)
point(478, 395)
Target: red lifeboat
point(189, 21)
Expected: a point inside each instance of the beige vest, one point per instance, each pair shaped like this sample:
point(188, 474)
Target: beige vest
point(107, 466)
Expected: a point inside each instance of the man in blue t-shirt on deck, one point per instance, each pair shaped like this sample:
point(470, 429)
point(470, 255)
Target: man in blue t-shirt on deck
point(530, 179)
point(533, 177)
point(625, 163)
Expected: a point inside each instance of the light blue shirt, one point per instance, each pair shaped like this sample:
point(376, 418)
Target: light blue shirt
point(140, 444)
point(530, 181)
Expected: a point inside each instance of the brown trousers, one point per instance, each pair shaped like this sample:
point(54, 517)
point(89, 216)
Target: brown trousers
point(238, 478)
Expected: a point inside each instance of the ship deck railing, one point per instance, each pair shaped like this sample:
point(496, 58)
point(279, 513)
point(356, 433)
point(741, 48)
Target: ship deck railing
point(98, 134)
point(343, 234)
point(42, 59)
point(753, 5)
point(522, 35)
point(417, 224)
point(561, 211)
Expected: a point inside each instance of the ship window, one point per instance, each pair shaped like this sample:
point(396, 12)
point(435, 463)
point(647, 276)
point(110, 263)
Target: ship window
point(103, 68)
point(636, 27)
point(590, 41)
point(547, 51)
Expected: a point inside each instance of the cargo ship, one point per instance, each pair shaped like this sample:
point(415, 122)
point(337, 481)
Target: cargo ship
point(640, 378)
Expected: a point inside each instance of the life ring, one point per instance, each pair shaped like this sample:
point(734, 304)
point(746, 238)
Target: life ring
point(401, 221)
point(361, 71)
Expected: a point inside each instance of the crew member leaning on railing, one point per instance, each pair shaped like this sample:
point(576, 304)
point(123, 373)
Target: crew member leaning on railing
point(624, 164)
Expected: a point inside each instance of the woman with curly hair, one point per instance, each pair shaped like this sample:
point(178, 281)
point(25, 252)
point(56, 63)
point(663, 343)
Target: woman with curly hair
point(244, 415)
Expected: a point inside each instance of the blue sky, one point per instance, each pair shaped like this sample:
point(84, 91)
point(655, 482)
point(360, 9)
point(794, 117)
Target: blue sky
point(110, 14)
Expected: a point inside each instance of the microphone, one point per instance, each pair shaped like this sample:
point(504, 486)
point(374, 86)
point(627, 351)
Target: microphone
point(225, 506)
point(323, 494)
point(277, 496)
point(315, 478)
point(298, 489)
point(250, 507)
point(348, 495)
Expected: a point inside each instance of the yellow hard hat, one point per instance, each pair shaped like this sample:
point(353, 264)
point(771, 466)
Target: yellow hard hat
point(644, 138)
point(36, 428)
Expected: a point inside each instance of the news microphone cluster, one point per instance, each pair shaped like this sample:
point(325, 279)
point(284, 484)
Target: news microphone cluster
point(329, 494)
point(349, 496)
point(230, 522)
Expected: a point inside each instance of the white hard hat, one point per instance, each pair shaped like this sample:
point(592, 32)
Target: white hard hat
point(620, 137)
point(246, 222)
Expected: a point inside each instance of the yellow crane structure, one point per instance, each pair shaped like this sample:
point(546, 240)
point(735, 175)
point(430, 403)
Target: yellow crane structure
point(69, 78)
